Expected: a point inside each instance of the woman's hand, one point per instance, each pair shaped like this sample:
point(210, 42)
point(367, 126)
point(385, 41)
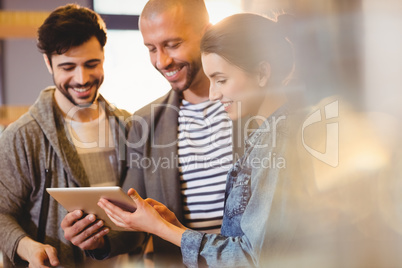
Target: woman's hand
point(144, 219)
point(164, 212)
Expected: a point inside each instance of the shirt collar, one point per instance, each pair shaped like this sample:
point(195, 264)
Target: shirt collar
point(266, 126)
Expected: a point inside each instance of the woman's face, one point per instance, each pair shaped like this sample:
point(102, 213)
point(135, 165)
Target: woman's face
point(238, 90)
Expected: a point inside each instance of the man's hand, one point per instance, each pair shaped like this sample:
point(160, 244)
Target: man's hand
point(86, 233)
point(37, 254)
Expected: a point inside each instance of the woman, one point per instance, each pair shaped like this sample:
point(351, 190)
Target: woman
point(248, 61)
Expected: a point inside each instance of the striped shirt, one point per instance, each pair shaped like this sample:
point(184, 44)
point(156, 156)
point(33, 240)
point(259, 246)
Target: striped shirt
point(205, 156)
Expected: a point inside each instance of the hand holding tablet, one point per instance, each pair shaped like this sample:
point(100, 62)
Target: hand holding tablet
point(86, 199)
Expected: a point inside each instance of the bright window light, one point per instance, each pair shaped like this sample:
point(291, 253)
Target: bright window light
point(119, 7)
point(220, 9)
point(130, 79)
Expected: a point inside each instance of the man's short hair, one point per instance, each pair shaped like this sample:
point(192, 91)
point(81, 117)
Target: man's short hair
point(70, 26)
point(194, 9)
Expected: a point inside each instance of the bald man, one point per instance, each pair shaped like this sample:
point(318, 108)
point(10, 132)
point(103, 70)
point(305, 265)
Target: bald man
point(180, 145)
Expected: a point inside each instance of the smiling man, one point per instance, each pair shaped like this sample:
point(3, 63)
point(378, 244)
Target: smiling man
point(172, 31)
point(70, 137)
point(78, 73)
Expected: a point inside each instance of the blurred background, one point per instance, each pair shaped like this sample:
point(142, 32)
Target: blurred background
point(130, 79)
point(347, 51)
point(349, 47)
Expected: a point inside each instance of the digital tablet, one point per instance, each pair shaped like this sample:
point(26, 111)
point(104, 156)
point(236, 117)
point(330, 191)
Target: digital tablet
point(86, 199)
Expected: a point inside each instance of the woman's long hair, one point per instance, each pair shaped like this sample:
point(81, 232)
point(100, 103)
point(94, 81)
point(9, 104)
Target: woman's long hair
point(246, 40)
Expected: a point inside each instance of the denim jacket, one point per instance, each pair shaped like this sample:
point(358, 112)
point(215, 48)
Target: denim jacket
point(249, 207)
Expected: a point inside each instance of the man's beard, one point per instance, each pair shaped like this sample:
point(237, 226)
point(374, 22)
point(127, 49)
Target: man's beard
point(192, 71)
point(64, 90)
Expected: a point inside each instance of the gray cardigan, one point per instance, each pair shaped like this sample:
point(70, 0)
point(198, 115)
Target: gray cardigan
point(37, 147)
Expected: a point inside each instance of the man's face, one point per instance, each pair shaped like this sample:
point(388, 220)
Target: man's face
point(174, 47)
point(78, 73)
